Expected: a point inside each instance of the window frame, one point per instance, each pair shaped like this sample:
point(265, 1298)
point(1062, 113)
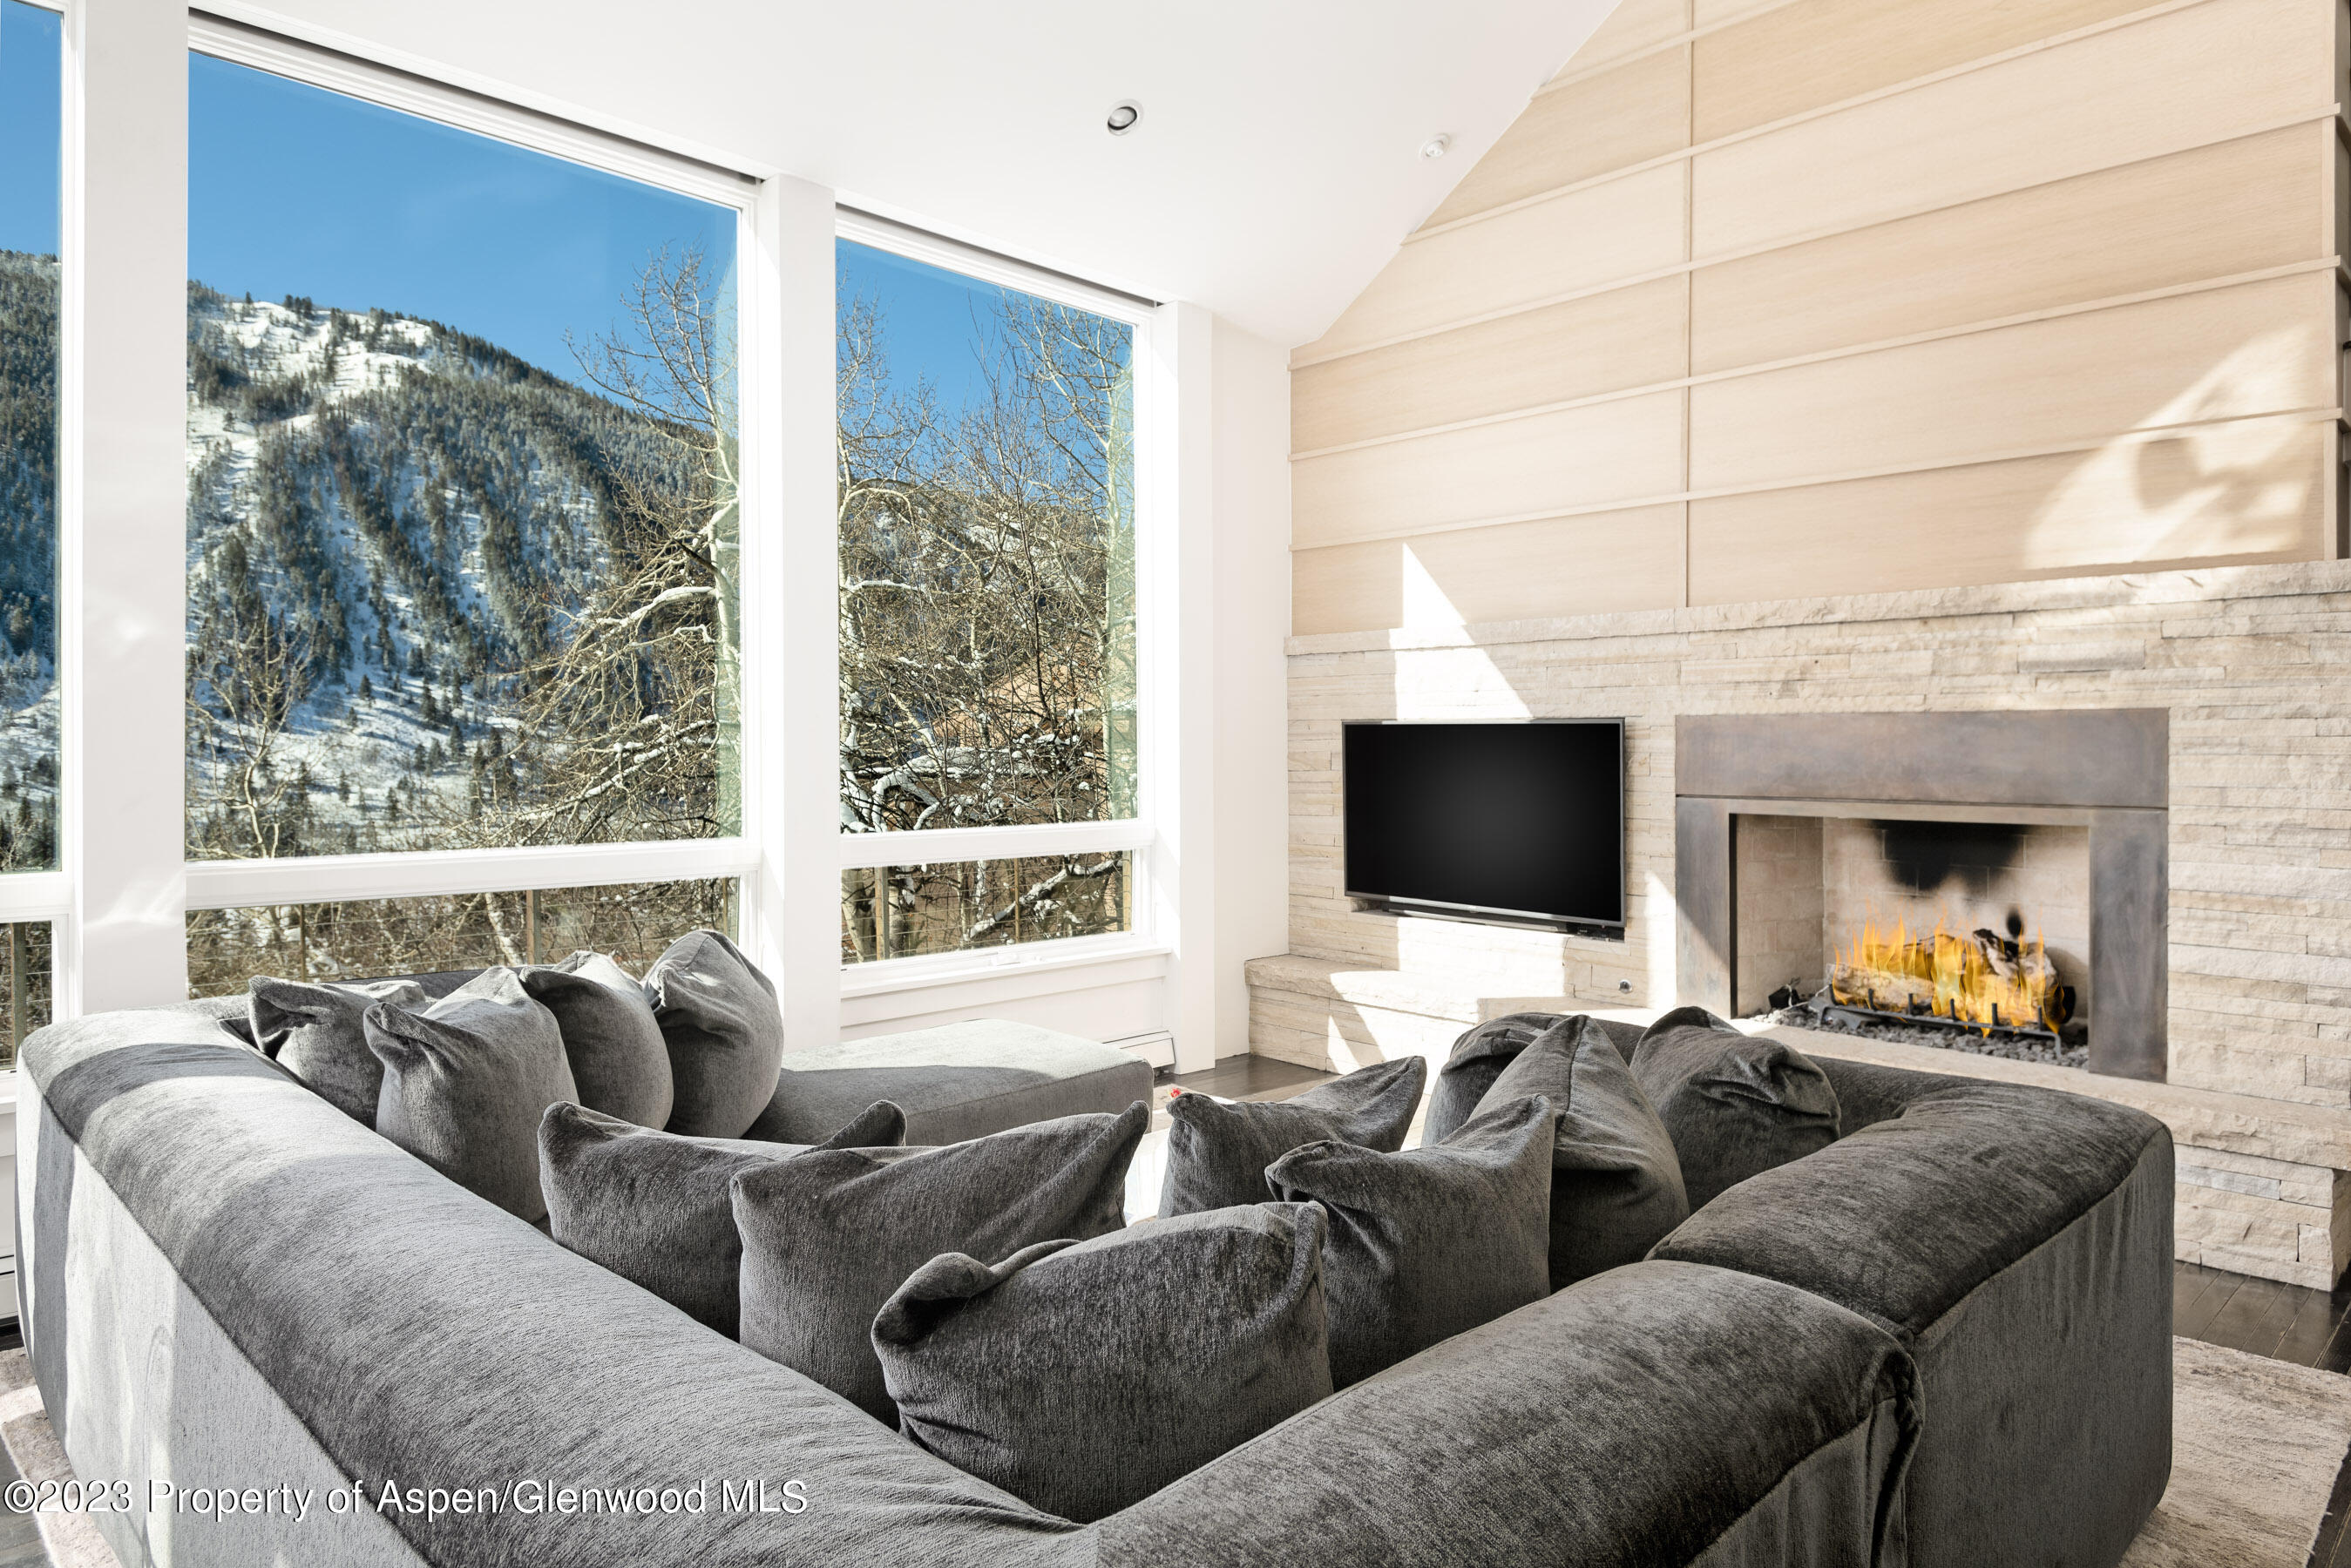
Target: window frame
point(1154, 732)
point(336, 879)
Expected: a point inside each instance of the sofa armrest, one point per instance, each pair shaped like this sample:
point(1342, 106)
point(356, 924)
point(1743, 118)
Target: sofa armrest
point(1657, 1414)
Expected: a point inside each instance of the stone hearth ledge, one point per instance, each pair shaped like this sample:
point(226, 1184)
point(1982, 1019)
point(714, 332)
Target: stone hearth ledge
point(2265, 1186)
point(2126, 590)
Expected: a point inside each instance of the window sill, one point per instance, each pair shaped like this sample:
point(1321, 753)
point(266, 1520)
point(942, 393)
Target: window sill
point(954, 969)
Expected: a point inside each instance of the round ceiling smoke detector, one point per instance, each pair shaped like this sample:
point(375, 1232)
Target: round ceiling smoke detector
point(1437, 146)
point(1124, 117)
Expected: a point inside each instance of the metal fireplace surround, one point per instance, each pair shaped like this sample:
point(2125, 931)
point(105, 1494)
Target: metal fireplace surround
point(2107, 769)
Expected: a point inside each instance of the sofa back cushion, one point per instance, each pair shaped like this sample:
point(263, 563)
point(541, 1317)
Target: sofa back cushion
point(1218, 1151)
point(723, 1032)
point(1734, 1103)
point(1428, 1243)
point(657, 1209)
point(827, 1237)
point(1482, 1052)
point(1083, 1376)
point(619, 1060)
point(1616, 1181)
point(313, 1030)
point(465, 1081)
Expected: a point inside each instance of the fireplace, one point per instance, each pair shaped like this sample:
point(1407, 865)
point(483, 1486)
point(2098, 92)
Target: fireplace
point(1992, 880)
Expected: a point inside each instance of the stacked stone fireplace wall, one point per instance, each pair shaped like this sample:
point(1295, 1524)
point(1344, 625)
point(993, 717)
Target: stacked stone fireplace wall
point(2253, 665)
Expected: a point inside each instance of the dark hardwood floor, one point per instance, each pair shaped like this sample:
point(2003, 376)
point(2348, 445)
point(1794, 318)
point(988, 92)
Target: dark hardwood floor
point(2284, 1322)
point(1246, 1078)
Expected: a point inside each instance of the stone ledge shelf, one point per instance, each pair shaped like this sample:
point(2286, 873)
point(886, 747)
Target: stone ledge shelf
point(2263, 1189)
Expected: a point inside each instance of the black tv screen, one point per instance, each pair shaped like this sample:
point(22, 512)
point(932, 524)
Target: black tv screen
point(1522, 819)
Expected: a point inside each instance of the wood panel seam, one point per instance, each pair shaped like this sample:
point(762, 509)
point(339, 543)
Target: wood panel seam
point(2039, 46)
point(1633, 56)
point(2334, 113)
point(2314, 414)
point(1766, 367)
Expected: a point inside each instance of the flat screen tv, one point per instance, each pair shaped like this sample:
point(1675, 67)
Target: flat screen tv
point(1521, 822)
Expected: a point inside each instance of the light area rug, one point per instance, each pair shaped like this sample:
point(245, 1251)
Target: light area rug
point(70, 1538)
point(2255, 1447)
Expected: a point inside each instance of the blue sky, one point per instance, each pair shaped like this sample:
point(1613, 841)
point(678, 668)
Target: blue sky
point(295, 190)
point(933, 321)
point(29, 117)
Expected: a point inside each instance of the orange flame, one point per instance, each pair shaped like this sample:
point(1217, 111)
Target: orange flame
point(1969, 978)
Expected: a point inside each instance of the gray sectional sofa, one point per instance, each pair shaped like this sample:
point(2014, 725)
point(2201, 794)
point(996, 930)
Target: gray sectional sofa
point(1943, 1339)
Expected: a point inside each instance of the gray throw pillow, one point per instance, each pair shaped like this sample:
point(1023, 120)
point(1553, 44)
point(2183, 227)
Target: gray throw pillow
point(1481, 1053)
point(829, 1236)
point(1430, 1243)
point(657, 1209)
point(1615, 1180)
point(465, 1081)
point(724, 1034)
point(619, 1058)
point(313, 1030)
point(1218, 1149)
point(1735, 1105)
point(1083, 1376)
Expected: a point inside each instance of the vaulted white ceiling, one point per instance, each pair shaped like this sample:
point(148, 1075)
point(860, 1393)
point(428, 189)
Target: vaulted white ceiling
point(1277, 165)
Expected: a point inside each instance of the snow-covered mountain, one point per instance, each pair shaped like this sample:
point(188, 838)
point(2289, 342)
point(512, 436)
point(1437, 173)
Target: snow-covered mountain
point(389, 522)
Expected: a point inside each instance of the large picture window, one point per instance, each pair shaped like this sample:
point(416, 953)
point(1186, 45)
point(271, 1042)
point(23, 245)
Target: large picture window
point(29, 125)
point(988, 634)
point(464, 529)
point(462, 490)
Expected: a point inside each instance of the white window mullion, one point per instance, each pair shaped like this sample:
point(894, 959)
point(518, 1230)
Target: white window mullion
point(796, 899)
point(425, 873)
point(1172, 396)
point(122, 533)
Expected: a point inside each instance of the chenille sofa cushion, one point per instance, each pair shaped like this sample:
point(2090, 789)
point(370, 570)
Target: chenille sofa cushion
point(724, 1034)
point(1616, 1182)
point(1428, 1242)
point(827, 1237)
point(313, 1031)
point(1083, 1376)
point(658, 1209)
point(1482, 1052)
point(465, 1081)
point(1734, 1103)
point(618, 1059)
point(1218, 1151)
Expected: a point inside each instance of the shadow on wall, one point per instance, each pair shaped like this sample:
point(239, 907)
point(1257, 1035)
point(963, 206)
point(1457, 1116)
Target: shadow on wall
point(2225, 490)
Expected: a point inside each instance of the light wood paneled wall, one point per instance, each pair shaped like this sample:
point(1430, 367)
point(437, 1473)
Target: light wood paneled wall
point(1771, 298)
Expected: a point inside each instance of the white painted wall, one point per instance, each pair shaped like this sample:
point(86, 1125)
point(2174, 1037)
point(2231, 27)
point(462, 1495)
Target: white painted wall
point(1250, 386)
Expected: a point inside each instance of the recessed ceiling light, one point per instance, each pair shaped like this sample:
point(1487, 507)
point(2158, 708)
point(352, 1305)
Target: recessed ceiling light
point(1437, 146)
point(1124, 117)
